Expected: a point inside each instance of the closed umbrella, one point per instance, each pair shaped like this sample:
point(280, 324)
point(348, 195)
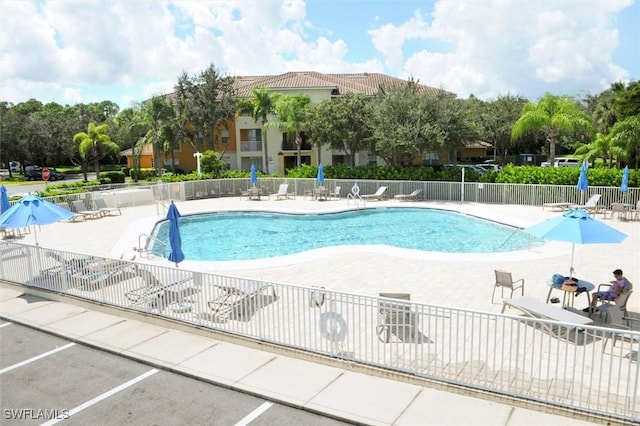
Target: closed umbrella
point(320, 177)
point(175, 240)
point(583, 184)
point(254, 175)
point(33, 210)
point(4, 200)
point(577, 227)
point(624, 185)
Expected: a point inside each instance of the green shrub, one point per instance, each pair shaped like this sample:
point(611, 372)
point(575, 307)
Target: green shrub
point(113, 177)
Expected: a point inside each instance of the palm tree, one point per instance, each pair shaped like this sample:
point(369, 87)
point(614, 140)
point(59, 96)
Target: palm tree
point(600, 147)
point(157, 114)
point(259, 106)
point(290, 117)
point(625, 135)
point(556, 115)
point(94, 145)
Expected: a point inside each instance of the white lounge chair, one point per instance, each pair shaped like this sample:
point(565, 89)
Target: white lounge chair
point(282, 191)
point(414, 196)
point(102, 207)
point(81, 208)
point(379, 194)
point(591, 205)
point(556, 206)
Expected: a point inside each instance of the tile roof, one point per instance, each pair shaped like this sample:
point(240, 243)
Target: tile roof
point(366, 83)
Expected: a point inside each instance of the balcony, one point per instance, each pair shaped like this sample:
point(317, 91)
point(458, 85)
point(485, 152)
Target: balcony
point(251, 146)
point(291, 146)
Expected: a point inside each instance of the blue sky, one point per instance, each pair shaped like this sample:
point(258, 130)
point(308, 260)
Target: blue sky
point(129, 50)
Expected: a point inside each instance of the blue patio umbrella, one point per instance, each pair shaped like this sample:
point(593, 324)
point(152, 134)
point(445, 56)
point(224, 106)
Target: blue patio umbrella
point(624, 185)
point(4, 200)
point(577, 227)
point(254, 175)
point(320, 177)
point(33, 210)
point(583, 184)
point(175, 240)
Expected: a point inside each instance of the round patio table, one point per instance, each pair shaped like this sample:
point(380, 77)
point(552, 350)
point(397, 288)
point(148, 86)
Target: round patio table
point(581, 283)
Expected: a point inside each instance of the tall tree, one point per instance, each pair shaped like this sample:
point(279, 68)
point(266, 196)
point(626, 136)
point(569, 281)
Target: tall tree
point(203, 102)
point(260, 105)
point(157, 114)
point(556, 116)
point(344, 123)
point(600, 147)
point(291, 114)
point(625, 135)
point(93, 145)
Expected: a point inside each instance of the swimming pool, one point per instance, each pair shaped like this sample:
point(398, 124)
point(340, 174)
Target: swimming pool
point(224, 236)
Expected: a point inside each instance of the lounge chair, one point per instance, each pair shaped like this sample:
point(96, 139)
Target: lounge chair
point(242, 302)
point(282, 191)
point(557, 206)
point(378, 195)
point(65, 205)
point(590, 206)
point(101, 272)
point(101, 206)
point(158, 295)
point(414, 196)
point(505, 280)
point(81, 208)
point(534, 308)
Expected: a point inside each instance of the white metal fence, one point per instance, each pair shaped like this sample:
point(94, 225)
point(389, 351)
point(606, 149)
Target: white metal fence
point(591, 369)
point(120, 195)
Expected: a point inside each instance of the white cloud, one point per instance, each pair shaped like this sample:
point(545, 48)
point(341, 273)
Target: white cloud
point(517, 47)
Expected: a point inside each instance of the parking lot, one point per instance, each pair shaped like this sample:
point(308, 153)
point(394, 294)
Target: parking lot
point(44, 377)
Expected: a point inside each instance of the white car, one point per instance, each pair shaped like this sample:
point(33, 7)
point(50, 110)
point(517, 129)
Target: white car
point(563, 162)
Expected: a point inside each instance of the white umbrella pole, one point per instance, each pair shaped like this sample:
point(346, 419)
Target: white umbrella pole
point(573, 246)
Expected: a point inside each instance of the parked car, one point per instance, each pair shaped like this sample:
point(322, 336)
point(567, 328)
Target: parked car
point(14, 166)
point(563, 162)
point(35, 173)
point(489, 166)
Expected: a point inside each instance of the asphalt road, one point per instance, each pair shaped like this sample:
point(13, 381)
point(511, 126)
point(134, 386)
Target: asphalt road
point(44, 376)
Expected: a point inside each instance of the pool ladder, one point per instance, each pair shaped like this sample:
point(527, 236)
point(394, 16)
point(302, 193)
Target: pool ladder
point(144, 249)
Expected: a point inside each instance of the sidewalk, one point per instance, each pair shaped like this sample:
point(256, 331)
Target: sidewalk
point(339, 391)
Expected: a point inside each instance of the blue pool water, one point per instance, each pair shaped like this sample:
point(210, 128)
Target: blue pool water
point(227, 236)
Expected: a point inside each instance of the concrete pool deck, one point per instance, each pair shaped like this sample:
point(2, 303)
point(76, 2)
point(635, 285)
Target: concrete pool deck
point(464, 281)
point(370, 270)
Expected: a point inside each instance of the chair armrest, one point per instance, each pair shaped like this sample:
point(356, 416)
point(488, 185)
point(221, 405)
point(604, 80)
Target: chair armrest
point(603, 286)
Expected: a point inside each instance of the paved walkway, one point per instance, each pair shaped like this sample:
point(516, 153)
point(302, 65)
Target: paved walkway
point(464, 281)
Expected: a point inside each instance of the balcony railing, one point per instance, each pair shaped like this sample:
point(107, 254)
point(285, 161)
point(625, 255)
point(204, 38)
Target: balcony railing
point(291, 146)
point(251, 146)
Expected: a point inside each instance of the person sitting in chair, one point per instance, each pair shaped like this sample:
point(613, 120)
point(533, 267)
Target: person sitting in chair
point(618, 286)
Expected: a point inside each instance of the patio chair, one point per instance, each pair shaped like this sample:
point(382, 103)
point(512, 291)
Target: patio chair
point(96, 274)
point(619, 209)
point(590, 206)
point(335, 194)
point(101, 206)
point(617, 320)
point(378, 195)
point(282, 191)
point(414, 196)
point(620, 302)
point(505, 280)
point(80, 208)
point(396, 319)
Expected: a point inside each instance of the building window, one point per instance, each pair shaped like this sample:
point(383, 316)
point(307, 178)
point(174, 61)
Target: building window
point(430, 158)
point(224, 136)
point(372, 159)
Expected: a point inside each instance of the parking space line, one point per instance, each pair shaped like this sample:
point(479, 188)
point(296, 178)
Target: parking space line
point(5, 324)
point(101, 397)
point(254, 414)
point(37, 357)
